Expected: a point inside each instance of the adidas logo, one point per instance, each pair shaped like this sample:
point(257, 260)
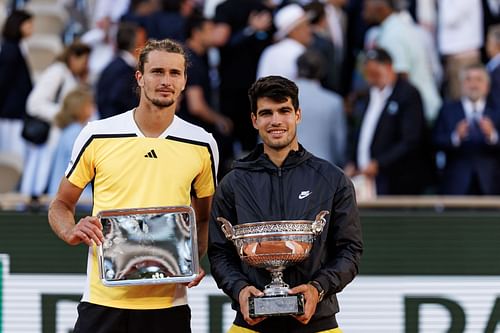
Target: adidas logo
point(151, 154)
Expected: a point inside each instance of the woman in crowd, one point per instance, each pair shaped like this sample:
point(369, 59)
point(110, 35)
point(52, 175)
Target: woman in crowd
point(15, 81)
point(44, 102)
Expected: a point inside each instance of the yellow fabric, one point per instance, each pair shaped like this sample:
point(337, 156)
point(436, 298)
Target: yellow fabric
point(126, 176)
point(239, 329)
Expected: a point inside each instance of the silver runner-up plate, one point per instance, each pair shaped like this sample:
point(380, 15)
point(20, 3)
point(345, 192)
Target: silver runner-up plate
point(148, 246)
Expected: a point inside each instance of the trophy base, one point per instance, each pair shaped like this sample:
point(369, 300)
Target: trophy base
point(276, 305)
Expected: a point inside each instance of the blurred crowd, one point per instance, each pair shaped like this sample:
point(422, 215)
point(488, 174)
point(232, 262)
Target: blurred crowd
point(402, 95)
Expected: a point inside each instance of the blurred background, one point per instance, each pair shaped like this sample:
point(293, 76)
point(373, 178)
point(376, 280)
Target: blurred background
point(402, 95)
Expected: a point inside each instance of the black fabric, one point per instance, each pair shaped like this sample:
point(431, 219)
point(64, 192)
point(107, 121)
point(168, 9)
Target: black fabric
point(93, 318)
point(35, 130)
point(197, 76)
point(15, 81)
point(256, 190)
point(239, 58)
point(116, 89)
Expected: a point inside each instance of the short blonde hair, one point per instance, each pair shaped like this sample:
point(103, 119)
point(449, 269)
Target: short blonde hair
point(72, 105)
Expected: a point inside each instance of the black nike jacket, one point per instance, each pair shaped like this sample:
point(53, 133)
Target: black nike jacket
point(257, 190)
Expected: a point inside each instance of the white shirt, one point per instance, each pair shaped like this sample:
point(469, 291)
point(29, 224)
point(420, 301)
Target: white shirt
point(460, 26)
point(378, 99)
point(281, 59)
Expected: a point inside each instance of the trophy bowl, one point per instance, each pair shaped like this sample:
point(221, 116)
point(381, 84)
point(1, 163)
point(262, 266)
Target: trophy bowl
point(274, 245)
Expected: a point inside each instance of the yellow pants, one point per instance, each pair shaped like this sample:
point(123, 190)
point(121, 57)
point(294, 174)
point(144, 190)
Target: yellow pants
point(238, 329)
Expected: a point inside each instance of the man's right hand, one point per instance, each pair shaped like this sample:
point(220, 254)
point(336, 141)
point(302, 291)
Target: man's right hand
point(88, 230)
point(245, 293)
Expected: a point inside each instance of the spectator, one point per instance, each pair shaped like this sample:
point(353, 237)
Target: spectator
point(139, 11)
point(15, 81)
point(197, 105)
point(169, 22)
point(322, 42)
point(76, 110)
point(243, 30)
point(389, 131)
point(337, 29)
point(403, 42)
point(459, 39)
point(323, 126)
point(493, 66)
point(467, 132)
point(101, 39)
point(293, 34)
point(116, 88)
point(70, 69)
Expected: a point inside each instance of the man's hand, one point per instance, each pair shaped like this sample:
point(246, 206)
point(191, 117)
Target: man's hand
point(197, 280)
point(88, 230)
point(371, 169)
point(462, 129)
point(487, 127)
point(245, 293)
point(311, 298)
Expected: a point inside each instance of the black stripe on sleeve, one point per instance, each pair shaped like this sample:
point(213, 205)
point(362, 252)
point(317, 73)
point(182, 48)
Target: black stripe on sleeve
point(92, 137)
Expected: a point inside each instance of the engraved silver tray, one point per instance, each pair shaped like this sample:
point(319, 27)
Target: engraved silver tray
point(148, 246)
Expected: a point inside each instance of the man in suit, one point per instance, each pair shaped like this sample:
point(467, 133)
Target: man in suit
point(467, 132)
point(389, 131)
point(116, 86)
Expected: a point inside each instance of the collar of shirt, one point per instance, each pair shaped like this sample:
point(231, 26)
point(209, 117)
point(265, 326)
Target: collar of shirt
point(128, 58)
point(469, 107)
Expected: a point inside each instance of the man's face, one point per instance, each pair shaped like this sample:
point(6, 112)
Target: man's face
point(475, 84)
point(372, 11)
point(377, 74)
point(163, 79)
point(302, 33)
point(277, 123)
point(207, 34)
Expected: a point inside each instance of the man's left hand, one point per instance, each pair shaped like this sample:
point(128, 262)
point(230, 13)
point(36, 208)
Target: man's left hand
point(198, 279)
point(311, 298)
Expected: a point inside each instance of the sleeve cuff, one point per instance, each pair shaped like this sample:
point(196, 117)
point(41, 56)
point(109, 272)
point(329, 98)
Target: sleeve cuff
point(237, 288)
point(325, 284)
point(493, 139)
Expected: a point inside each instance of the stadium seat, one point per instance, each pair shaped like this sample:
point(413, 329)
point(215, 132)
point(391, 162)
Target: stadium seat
point(11, 168)
point(42, 51)
point(49, 18)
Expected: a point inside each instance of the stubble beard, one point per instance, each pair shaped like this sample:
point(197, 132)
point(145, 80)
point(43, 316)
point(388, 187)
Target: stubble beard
point(160, 103)
point(280, 144)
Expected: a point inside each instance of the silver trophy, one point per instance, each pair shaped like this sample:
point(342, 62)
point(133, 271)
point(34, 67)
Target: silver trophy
point(148, 246)
point(274, 245)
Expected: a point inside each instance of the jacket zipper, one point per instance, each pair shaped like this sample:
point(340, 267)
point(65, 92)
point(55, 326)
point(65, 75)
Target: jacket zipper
point(282, 196)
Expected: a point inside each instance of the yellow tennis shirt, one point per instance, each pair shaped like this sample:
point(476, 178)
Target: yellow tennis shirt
point(129, 170)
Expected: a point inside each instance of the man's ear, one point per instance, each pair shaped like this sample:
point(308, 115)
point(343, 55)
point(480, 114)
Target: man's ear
point(298, 115)
point(139, 78)
point(254, 120)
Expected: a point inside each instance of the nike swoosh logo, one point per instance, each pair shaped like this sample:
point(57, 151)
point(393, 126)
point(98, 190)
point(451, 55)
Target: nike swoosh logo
point(304, 194)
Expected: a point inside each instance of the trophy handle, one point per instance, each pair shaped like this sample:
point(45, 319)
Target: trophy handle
point(319, 222)
point(227, 228)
